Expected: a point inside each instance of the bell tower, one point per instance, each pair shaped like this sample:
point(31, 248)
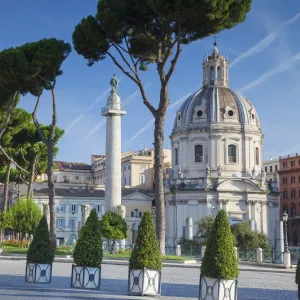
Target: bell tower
point(215, 69)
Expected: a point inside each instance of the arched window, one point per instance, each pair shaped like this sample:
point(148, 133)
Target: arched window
point(293, 209)
point(212, 75)
point(176, 156)
point(285, 208)
point(257, 156)
point(232, 154)
point(198, 153)
point(219, 73)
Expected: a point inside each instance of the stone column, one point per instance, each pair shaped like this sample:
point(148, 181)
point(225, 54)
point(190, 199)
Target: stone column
point(264, 217)
point(113, 112)
point(85, 212)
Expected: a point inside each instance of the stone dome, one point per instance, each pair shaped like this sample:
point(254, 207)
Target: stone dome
point(213, 105)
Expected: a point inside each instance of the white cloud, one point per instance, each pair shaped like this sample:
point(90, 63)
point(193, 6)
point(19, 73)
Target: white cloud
point(284, 66)
point(104, 94)
point(178, 102)
point(143, 129)
point(96, 128)
point(265, 42)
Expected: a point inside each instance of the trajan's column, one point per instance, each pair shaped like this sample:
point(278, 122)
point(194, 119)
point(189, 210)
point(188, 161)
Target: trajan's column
point(113, 113)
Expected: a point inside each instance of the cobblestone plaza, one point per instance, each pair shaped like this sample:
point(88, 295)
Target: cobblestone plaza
point(177, 283)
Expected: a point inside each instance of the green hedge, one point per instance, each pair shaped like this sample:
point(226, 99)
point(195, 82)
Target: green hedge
point(88, 250)
point(40, 250)
point(220, 259)
point(146, 253)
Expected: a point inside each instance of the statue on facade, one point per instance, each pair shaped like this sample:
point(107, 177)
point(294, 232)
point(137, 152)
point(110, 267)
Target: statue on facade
point(114, 83)
point(179, 172)
point(253, 173)
point(219, 171)
point(263, 175)
point(207, 171)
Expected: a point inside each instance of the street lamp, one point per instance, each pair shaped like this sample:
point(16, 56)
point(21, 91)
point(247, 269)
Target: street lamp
point(285, 219)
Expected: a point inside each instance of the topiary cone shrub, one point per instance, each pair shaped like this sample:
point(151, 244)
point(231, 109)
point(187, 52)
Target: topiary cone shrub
point(219, 263)
point(88, 250)
point(145, 262)
point(297, 279)
point(40, 250)
point(88, 255)
point(40, 255)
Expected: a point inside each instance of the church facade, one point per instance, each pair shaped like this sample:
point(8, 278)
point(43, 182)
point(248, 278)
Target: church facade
point(217, 145)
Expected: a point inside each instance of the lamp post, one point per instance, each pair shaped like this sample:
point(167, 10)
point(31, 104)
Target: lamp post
point(285, 219)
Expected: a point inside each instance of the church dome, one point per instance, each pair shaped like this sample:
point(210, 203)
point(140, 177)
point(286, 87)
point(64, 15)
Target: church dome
point(215, 102)
point(215, 105)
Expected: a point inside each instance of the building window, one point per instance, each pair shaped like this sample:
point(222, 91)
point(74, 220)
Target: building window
point(60, 223)
point(73, 208)
point(176, 156)
point(76, 177)
point(72, 223)
point(293, 179)
point(271, 169)
point(285, 195)
point(232, 154)
point(276, 169)
point(219, 73)
point(198, 153)
point(212, 75)
point(88, 178)
point(285, 208)
point(293, 210)
point(136, 214)
point(129, 168)
point(124, 180)
point(284, 180)
point(142, 179)
point(129, 180)
point(266, 169)
point(293, 194)
point(284, 164)
point(292, 163)
point(60, 208)
point(294, 224)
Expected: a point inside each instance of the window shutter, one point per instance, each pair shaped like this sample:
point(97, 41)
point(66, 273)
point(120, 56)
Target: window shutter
point(132, 214)
point(64, 223)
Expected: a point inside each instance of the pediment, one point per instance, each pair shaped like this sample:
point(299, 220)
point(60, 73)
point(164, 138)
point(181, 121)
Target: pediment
point(136, 196)
point(238, 185)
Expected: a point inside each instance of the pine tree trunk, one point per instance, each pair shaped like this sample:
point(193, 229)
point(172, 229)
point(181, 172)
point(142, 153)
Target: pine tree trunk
point(6, 186)
point(51, 189)
point(31, 177)
point(158, 181)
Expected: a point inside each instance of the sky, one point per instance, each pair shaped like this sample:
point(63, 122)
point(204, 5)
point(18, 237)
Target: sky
point(264, 56)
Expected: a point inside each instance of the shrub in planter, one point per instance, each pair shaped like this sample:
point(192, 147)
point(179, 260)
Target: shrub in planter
point(297, 279)
point(40, 255)
point(145, 261)
point(88, 255)
point(219, 269)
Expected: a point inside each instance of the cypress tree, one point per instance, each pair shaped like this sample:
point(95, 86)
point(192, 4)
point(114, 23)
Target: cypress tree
point(146, 253)
point(88, 250)
point(40, 250)
point(220, 259)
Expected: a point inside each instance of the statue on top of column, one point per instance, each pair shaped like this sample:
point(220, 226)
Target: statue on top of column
point(114, 83)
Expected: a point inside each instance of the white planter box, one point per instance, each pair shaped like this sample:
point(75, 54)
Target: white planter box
point(85, 277)
point(217, 289)
point(38, 273)
point(144, 282)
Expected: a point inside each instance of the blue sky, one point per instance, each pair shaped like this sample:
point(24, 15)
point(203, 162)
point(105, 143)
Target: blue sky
point(264, 53)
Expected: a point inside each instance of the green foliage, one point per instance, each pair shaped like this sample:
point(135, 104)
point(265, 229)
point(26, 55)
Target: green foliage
point(246, 238)
point(23, 216)
point(113, 227)
point(88, 250)
point(297, 278)
point(220, 259)
point(146, 252)
point(40, 250)
point(204, 228)
point(146, 25)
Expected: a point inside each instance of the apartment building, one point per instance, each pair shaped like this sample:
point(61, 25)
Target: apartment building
point(271, 167)
point(289, 175)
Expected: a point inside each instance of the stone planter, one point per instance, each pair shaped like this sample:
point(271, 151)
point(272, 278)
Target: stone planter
point(85, 277)
point(217, 289)
point(38, 273)
point(144, 282)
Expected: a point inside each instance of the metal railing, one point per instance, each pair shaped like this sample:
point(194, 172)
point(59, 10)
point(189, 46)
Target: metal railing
point(272, 257)
point(247, 254)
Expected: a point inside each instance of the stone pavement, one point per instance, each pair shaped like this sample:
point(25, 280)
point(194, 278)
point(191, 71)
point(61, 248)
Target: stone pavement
point(177, 284)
